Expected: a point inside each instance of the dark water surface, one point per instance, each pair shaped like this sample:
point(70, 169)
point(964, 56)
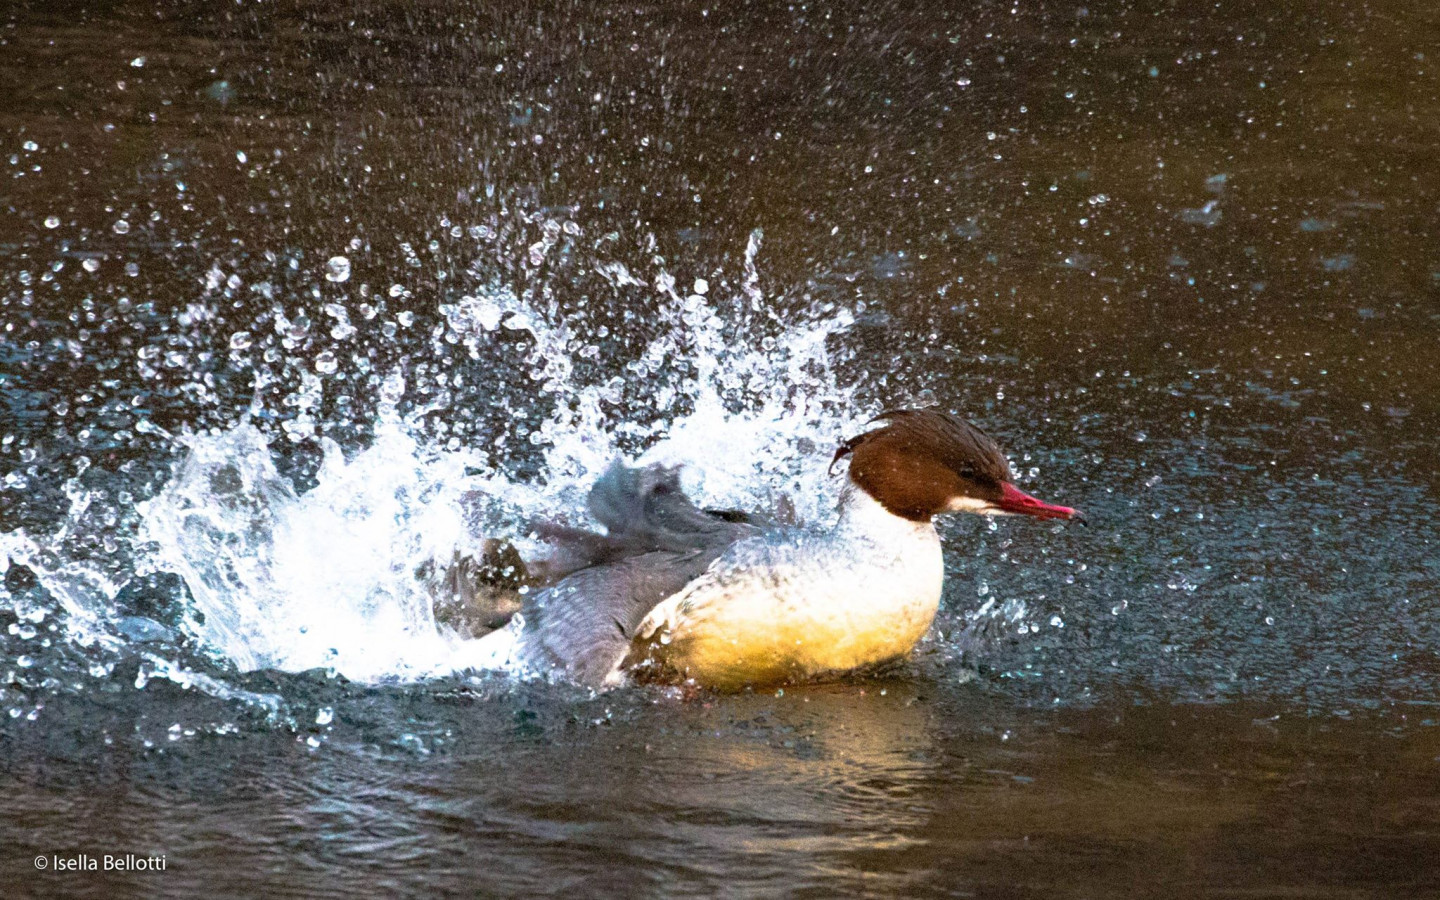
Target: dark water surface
point(1183, 257)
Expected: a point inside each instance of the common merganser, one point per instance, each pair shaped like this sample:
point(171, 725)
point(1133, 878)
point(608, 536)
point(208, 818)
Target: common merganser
point(724, 600)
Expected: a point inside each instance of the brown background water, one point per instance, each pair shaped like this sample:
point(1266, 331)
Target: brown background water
point(1184, 255)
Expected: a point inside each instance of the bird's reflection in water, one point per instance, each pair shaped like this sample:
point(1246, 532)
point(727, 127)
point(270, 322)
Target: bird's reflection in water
point(799, 788)
point(790, 787)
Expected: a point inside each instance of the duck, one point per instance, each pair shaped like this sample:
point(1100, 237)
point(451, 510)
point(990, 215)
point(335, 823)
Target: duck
point(728, 600)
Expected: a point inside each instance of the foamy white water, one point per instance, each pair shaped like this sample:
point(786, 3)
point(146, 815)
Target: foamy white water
point(328, 578)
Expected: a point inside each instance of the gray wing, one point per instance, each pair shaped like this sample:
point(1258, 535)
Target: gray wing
point(586, 623)
point(605, 585)
point(643, 510)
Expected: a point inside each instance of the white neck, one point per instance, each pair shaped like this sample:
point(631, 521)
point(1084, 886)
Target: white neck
point(861, 515)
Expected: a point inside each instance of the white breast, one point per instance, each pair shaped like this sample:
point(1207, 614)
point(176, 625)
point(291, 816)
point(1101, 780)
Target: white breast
point(797, 604)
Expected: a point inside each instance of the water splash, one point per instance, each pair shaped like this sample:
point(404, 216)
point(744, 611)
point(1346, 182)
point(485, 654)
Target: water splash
point(280, 577)
point(323, 579)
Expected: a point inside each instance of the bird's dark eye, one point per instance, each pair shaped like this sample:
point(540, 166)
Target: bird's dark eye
point(978, 485)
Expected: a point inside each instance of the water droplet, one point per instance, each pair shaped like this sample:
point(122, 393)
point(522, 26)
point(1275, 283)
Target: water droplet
point(1207, 215)
point(702, 286)
point(240, 155)
point(120, 227)
point(31, 146)
point(132, 269)
point(52, 221)
point(240, 340)
point(91, 264)
point(324, 716)
point(325, 363)
point(337, 269)
point(392, 388)
point(138, 62)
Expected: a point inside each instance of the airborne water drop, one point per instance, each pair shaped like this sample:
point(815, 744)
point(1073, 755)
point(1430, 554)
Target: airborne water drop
point(337, 270)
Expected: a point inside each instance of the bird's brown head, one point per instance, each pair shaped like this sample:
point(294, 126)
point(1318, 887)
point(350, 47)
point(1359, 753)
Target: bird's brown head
point(918, 463)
